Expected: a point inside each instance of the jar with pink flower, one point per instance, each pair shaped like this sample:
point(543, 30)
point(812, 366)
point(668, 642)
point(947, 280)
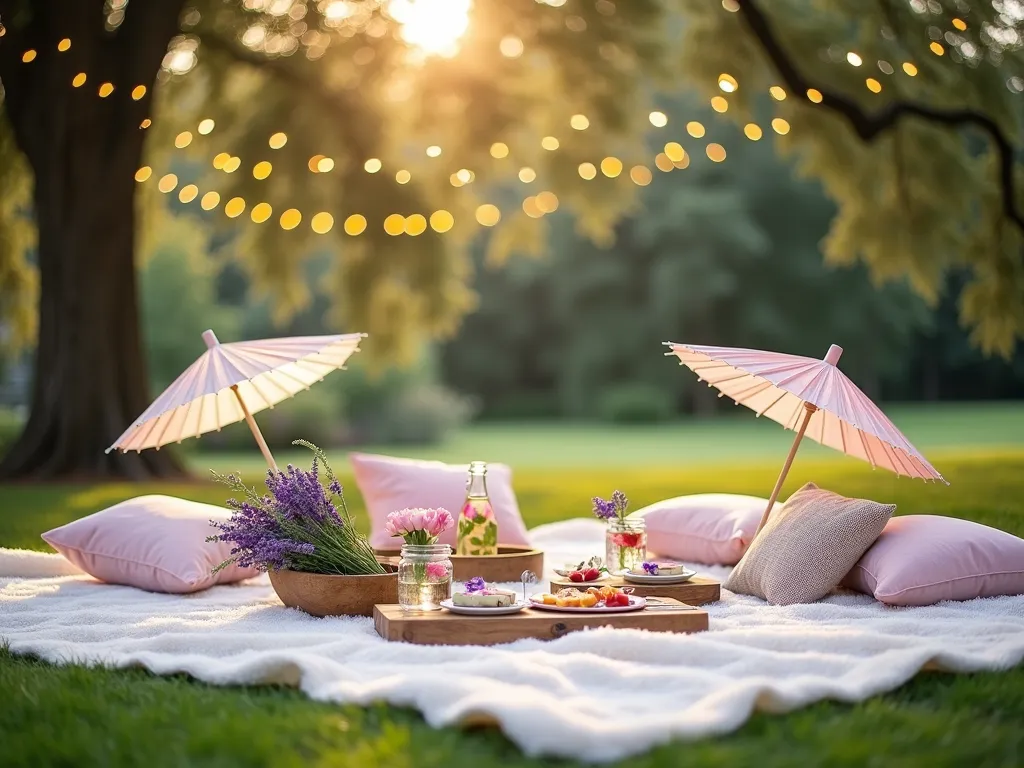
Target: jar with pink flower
point(425, 568)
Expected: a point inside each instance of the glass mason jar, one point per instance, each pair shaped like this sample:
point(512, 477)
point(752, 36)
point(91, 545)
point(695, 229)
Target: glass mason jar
point(424, 576)
point(478, 528)
point(625, 544)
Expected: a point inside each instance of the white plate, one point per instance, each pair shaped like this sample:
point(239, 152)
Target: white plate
point(644, 578)
point(482, 610)
point(636, 603)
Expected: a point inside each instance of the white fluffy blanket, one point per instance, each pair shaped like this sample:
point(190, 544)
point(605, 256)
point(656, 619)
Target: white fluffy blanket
point(550, 698)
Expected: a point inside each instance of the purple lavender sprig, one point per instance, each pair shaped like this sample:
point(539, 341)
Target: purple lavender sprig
point(613, 507)
point(651, 569)
point(476, 584)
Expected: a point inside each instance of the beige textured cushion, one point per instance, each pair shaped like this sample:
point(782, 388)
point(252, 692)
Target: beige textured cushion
point(808, 546)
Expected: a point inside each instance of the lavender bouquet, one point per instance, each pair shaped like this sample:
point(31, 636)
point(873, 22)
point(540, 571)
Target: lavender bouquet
point(297, 525)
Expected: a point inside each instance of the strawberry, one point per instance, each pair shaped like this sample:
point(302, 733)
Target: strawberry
point(576, 576)
point(591, 574)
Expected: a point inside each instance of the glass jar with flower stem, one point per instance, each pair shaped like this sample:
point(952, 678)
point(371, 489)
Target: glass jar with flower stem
point(425, 567)
point(625, 540)
point(478, 527)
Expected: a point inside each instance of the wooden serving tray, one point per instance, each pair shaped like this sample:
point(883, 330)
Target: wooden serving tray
point(446, 628)
point(507, 565)
point(697, 591)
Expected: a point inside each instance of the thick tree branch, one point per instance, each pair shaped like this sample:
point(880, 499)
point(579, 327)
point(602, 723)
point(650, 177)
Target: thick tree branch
point(869, 126)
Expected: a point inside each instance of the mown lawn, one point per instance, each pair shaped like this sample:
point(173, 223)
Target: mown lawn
point(83, 717)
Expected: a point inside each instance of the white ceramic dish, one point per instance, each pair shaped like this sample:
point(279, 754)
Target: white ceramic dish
point(481, 610)
point(646, 578)
point(635, 604)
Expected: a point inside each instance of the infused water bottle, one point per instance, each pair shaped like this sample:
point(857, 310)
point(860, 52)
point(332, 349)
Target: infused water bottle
point(478, 528)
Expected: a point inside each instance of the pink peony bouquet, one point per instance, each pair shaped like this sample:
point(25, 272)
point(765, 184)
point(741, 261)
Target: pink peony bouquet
point(418, 526)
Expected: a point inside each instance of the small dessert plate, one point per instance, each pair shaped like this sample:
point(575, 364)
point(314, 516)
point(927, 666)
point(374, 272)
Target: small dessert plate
point(647, 579)
point(481, 610)
point(565, 575)
point(635, 604)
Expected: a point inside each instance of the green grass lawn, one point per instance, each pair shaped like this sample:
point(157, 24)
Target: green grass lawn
point(75, 716)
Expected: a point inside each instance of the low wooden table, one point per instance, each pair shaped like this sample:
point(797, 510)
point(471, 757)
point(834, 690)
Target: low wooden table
point(446, 628)
point(697, 591)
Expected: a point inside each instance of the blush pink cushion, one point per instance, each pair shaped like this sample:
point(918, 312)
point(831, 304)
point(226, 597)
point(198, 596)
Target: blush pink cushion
point(156, 543)
point(389, 484)
point(712, 528)
point(922, 559)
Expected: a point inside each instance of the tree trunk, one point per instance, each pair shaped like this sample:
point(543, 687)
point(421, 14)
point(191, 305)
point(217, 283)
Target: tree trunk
point(90, 379)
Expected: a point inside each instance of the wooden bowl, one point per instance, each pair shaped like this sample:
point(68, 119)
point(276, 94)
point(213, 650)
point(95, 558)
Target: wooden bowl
point(327, 595)
point(507, 565)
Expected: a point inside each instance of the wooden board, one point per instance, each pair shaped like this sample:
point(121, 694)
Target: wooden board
point(697, 591)
point(446, 628)
point(507, 565)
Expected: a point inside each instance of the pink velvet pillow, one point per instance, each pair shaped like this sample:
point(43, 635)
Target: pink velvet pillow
point(712, 528)
point(156, 543)
point(389, 484)
point(922, 559)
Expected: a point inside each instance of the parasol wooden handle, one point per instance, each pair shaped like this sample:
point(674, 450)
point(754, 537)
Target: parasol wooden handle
point(785, 467)
point(255, 431)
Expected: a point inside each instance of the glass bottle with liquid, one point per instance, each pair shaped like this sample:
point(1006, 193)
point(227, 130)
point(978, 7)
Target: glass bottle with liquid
point(478, 528)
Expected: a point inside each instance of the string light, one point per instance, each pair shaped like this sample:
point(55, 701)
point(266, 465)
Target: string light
point(277, 140)
point(143, 173)
point(549, 143)
point(937, 49)
point(715, 152)
point(752, 131)
point(183, 139)
point(322, 223)
point(682, 164)
point(658, 119)
point(233, 164)
point(415, 224)
point(727, 83)
point(611, 167)
point(372, 165)
point(909, 68)
point(499, 150)
point(355, 224)
point(29, 55)
point(463, 176)
point(695, 129)
point(531, 209)
point(65, 44)
point(527, 175)
point(579, 122)
point(261, 212)
point(814, 95)
point(403, 177)
point(587, 171)
point(234, 207)
point(777, 92)
point(188, 193)
point(674, 150)
point(960, 24)
point(394, 224)
point(663, 163)
point(106, 89)
point(873, 85)
point(854, 59)
point(441, 221)
point(210, 201)
point(547, 202)
point(487, 215)
point(262, 170)
point(325, 165)
point(313, 162)
point(641, 175)
point(780, 126)
point(220, 159)
point(137, 92)
point(167, 183)
point(79, 80)
point(206, 127)
point(290, 219)
point(719, 104)
point(145, 124)
point(433, 151)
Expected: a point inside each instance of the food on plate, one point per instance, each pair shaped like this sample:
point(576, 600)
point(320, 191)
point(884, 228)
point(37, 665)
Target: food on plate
point(546, 598)
point(593, 597)
point(666, 568)
point(479, 595)
point(589, 570)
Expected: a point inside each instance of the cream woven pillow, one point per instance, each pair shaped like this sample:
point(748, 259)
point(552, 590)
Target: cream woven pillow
point(808, 546)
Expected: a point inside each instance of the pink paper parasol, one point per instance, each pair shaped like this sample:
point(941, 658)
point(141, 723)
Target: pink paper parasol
point(810, 396)
point(231, 382)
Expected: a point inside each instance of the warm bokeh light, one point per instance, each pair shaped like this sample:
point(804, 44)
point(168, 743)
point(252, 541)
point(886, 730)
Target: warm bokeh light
point(455, 181)
point(322, 223)
point(531, 209)
point(663, 162)
point(277, 140)
point(183, 139)
point(682, 164)
point(65, 44)
point(167, 183)
point(355, 224)
point(313, 161)
point(415, 224)
point(261, 170)
point(441, 221)
point(937, 49)
point(814, 95)
point(579, 122)
point(220, 160)
point(854, 59)
point(488, 215)
point(611, 167)
point(719, 104)
point(547, 202)
point(261, 212)
point(695, 129)
point(464, 176)
point(727, 83)
point(960, 24)
point(909, 68)
point(549, 143)
point(210, 201)
point(234, 207)
point(730, 5)
point(206, 126)
point(233, 164)
point(106, 89)
point(588, 171)
point(394, 224)
point(511, 47)
point(143, 173)
point(658, 119)
point(752, 131)
point(433, 151)
point(435, 27)
point(641, 175)
point(873, 85)
point(780, 126)
point(403, 176)
point(79, 80)
point(29, 55)
point(372, 165)
point(499, 150)
point(325, 165)
point(145, 124)
point(527, 175)
point(674, 150)
point(715, 153)
point(188, 193)
point(138, 91)
point(290, 219)
point(778, 93)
